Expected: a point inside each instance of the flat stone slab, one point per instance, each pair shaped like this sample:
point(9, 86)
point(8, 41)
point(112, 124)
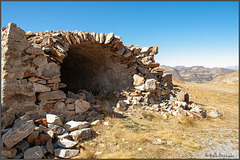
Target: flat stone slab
point(17, 133)
point(66, 153)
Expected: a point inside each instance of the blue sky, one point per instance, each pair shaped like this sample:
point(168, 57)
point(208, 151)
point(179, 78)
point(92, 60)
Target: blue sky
point(187, 33)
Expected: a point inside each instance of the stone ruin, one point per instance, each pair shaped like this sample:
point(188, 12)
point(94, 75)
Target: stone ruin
point(54, 84)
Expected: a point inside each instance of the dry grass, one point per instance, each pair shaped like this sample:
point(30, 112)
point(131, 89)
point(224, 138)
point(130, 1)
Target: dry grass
point(131, 137)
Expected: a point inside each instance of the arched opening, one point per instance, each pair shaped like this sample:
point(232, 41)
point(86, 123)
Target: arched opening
point(93, 68)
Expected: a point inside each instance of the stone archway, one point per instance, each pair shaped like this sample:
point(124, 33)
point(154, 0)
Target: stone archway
point(38, 69)
point(91, 67)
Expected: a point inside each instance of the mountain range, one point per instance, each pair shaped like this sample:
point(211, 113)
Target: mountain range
point(197, 74)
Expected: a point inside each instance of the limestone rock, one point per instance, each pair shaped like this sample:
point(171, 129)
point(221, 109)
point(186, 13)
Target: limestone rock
point(150, 85)
point(53, 119)
point(56, 129)
point(122, 106)
point(74, 125)
point(32, 137)
point(141, 87)
point(81, 134)
point(138, 80)
point(17, 133)
point(155, 49)
point(66, 153)
point(145, 49)
point(109, 38)
point(81, 106)
point(9, 153)
point(65, 143)
point(52, 95)
point(34, 153)
point(40, 88)
point(181, 96)
point(215, 113)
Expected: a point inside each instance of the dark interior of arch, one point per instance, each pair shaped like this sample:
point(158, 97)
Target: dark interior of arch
point(90, 67)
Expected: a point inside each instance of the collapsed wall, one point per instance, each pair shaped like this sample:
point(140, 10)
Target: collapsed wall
point(54, 84)
point(42, 72)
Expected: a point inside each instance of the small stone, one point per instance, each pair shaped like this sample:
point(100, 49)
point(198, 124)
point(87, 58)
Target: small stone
point(51, 70)
point(71, 107)
point(158, 69)
point(23, 146)
point(54, 80)
point(64, 135)
point(40, 88)
point(50, 133)
point(145, 49)
point(42, 139)
point(74, 125)
point(215, 113)
point(122, 106)
point(49, 146)
point(138, 80)
point(66, 153)
point(19, 156)
point(95, 122)
point(44, 149)
point(127, 54)
point(106, 123)
point(52, 95)
point(81, 106)
point(69, 100)
point(56, 129)
point(9, 153)
point(65, 143)
point(150, 85)
point(155, 49)
point(109, 38)
point(53, 119)
point(19, 131)
point(81, 134)
point(35, 50)
point(141, 87)
point(34, 153)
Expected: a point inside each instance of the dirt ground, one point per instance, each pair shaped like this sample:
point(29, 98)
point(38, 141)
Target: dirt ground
point(158, 138)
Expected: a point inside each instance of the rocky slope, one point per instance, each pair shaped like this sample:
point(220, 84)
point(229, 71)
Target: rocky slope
point(231, 78)
point(197, 74)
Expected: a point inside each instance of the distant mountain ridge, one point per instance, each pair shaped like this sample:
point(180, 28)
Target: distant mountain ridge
point(197, 74)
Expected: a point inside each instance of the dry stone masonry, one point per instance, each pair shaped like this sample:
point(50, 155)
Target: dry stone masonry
point(52, 82)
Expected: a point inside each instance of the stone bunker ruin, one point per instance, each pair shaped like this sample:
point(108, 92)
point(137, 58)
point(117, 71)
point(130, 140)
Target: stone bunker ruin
point(55, 85)
point(42, 70)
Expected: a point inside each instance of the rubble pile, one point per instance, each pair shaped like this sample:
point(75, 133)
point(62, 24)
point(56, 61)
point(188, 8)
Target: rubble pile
point(47, 137)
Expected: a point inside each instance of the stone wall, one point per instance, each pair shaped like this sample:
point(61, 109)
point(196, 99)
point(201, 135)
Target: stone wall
point(42, 70)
